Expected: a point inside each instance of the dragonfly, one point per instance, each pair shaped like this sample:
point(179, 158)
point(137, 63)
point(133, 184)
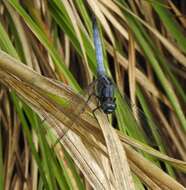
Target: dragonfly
point(104, 86)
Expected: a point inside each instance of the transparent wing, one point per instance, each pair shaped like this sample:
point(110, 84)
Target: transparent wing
point(78, 107)
point(138, 124)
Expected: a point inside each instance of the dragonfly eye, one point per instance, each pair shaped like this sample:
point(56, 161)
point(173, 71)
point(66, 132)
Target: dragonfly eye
point(108, 106)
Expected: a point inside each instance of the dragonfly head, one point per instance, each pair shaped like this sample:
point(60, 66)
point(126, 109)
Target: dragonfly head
point(108, 106)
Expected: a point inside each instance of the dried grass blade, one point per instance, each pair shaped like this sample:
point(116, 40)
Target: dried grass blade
point(152, 170)
point(81, 155)
point(116, 154)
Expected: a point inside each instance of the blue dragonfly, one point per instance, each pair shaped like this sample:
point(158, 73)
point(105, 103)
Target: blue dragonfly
point(104, 85)
point(104, 89)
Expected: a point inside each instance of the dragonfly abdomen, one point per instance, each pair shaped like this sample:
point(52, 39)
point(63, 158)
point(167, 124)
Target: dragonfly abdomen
point(98, 48)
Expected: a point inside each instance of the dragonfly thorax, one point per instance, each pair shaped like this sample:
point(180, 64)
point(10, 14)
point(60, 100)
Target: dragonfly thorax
point(105, 94)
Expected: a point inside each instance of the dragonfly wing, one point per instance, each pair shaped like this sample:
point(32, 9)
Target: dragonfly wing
point(78, 107)
point(139, 125)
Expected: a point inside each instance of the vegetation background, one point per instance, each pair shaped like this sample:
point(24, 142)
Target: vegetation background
point(144, 49)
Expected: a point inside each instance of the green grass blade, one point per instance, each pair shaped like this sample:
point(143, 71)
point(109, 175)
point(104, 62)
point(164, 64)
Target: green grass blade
point(6, 44)
point(72, 167)
point(154, 128)
point(29, 138)
point(40, 34)
point(171, 24)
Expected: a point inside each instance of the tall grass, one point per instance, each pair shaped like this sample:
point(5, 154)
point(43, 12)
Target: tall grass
point(47, 60)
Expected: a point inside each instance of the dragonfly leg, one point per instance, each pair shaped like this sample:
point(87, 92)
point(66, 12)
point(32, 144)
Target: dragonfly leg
point(90, 96)
point(98, 106)
point(90, 87)
point(95, 109)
